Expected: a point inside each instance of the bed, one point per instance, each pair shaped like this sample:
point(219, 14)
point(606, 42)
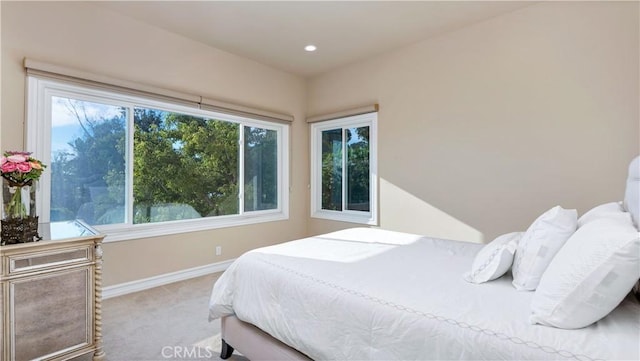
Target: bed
point(373, 294)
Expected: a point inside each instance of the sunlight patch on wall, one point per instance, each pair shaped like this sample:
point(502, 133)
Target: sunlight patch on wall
point(404, 212)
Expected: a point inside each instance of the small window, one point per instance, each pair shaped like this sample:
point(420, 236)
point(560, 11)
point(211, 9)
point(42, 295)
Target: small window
point(343, 175)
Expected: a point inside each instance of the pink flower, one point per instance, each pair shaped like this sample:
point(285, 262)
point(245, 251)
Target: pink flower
point(19, 167)
point(9, 167)
point(17, 158)
point(24, 167)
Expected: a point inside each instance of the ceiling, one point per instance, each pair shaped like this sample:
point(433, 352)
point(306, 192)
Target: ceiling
point(275, 32)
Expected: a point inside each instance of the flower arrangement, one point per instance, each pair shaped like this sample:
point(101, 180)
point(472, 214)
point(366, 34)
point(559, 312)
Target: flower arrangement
point(20, 170)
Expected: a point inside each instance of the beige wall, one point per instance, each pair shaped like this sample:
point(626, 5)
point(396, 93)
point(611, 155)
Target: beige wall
point(480, 129)
point(87, 37)
point(484, 128)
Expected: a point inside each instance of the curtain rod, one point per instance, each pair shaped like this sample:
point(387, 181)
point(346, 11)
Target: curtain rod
point(344, 113)
point(39, 68)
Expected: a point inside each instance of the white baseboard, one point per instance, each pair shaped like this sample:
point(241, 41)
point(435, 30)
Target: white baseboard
point(146, 283)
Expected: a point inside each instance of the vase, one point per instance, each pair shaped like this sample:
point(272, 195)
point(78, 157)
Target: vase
point(19, 220)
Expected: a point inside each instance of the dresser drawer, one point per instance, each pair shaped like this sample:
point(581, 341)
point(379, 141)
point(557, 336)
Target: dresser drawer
point(21, 263)
point(52, 314)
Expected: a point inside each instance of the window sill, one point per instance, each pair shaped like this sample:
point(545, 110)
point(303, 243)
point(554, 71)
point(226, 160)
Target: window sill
point(347, 216)
point(125, 233)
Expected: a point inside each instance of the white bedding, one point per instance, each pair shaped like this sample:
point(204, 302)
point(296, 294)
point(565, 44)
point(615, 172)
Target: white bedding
point(369, 294)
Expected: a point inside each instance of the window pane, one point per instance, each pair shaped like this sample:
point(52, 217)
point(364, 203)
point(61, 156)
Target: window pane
point(260, 169)
point(357, 168)
point(185, 167)
point(332, 169)
point(88, 147)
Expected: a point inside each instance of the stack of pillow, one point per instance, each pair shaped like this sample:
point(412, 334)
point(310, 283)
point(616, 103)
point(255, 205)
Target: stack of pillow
point(580, 269)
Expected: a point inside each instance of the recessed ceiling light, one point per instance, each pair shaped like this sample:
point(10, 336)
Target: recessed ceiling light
point(310, 48)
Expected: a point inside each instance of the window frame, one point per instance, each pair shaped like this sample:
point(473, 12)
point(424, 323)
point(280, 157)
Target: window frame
point(351, 216)
point(40, 91)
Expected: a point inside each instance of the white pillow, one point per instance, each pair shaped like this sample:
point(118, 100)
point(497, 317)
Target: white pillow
point(539, 245)
point(613, 209)
point(590, 276)
point(494, 259)
point(632, 192)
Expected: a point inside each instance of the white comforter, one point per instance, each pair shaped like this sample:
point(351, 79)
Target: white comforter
point(369, 294)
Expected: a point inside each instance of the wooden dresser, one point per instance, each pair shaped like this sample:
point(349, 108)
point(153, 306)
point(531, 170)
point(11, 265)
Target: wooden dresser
point(50, 295)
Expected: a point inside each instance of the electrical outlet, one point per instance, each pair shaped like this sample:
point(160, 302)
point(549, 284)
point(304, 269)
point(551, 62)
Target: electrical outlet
point(218, 250)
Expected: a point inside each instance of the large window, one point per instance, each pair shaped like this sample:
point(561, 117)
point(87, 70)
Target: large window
point(136, 167)
point(343, 175)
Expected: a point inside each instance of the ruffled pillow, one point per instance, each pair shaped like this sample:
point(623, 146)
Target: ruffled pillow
point(494, 259)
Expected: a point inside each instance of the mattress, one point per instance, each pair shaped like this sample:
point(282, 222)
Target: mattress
point(371, 294)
